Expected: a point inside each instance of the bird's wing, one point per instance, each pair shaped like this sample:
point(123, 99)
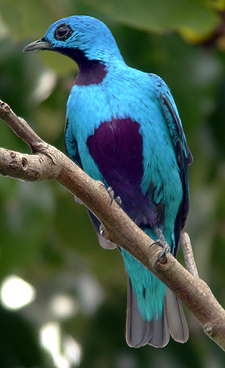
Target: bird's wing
point(71, 145)
point(183, 154)
point(73, 153)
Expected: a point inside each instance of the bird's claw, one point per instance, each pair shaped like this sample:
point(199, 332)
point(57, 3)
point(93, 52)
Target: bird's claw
point(163, 243)
point(112, 194)
point(101, 230)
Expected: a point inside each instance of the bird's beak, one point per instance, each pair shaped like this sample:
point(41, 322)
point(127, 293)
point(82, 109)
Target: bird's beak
point(38, 45)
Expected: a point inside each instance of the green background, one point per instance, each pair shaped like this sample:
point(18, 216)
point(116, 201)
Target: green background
point(47, 239)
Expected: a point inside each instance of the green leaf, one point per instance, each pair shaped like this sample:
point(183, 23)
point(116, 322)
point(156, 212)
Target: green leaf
point(159, 15)
point(32, 18)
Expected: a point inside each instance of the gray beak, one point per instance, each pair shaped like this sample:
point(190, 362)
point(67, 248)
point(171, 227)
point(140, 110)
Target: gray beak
point(38, 45)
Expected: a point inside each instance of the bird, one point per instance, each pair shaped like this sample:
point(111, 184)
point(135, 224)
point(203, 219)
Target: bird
point(123, 128)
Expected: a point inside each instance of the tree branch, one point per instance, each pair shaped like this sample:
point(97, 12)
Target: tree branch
point(188, 255)
point(48, 163)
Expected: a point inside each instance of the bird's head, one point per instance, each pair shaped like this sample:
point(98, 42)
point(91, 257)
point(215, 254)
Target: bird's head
point(78, 37)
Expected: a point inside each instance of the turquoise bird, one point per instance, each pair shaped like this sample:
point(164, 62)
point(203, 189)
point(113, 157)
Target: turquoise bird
point(123, 128)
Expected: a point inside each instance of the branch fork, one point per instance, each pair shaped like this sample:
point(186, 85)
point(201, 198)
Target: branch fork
point(47, 163)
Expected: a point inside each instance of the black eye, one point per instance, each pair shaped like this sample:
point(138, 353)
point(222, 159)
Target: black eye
point(63, 32)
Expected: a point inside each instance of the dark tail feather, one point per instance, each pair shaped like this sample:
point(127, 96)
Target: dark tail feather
point(175, 317)
point(140, 332)
point(156, 333)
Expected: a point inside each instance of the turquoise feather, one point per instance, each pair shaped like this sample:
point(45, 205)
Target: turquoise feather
point(123, 128)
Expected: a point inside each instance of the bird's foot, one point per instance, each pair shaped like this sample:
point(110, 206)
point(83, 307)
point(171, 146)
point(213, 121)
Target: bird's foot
point(163, 243)
point(112, 196)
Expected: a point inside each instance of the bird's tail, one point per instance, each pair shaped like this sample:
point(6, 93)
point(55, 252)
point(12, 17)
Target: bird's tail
point(156, 332)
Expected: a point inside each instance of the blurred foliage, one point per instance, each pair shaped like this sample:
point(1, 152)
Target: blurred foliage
point(47, 239)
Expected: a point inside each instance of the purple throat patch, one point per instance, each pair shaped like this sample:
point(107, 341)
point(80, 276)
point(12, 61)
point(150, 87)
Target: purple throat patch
point(91, 72)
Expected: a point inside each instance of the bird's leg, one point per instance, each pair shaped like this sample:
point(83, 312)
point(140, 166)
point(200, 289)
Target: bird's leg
point(163, 243)
point(111, 195)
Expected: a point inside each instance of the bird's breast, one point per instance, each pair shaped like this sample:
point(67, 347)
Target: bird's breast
point(117, 148)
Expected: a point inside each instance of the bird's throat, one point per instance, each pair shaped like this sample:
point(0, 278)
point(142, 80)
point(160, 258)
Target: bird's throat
point(90, 72)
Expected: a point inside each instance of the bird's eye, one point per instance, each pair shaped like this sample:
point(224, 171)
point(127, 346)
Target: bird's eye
point(63, 32)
